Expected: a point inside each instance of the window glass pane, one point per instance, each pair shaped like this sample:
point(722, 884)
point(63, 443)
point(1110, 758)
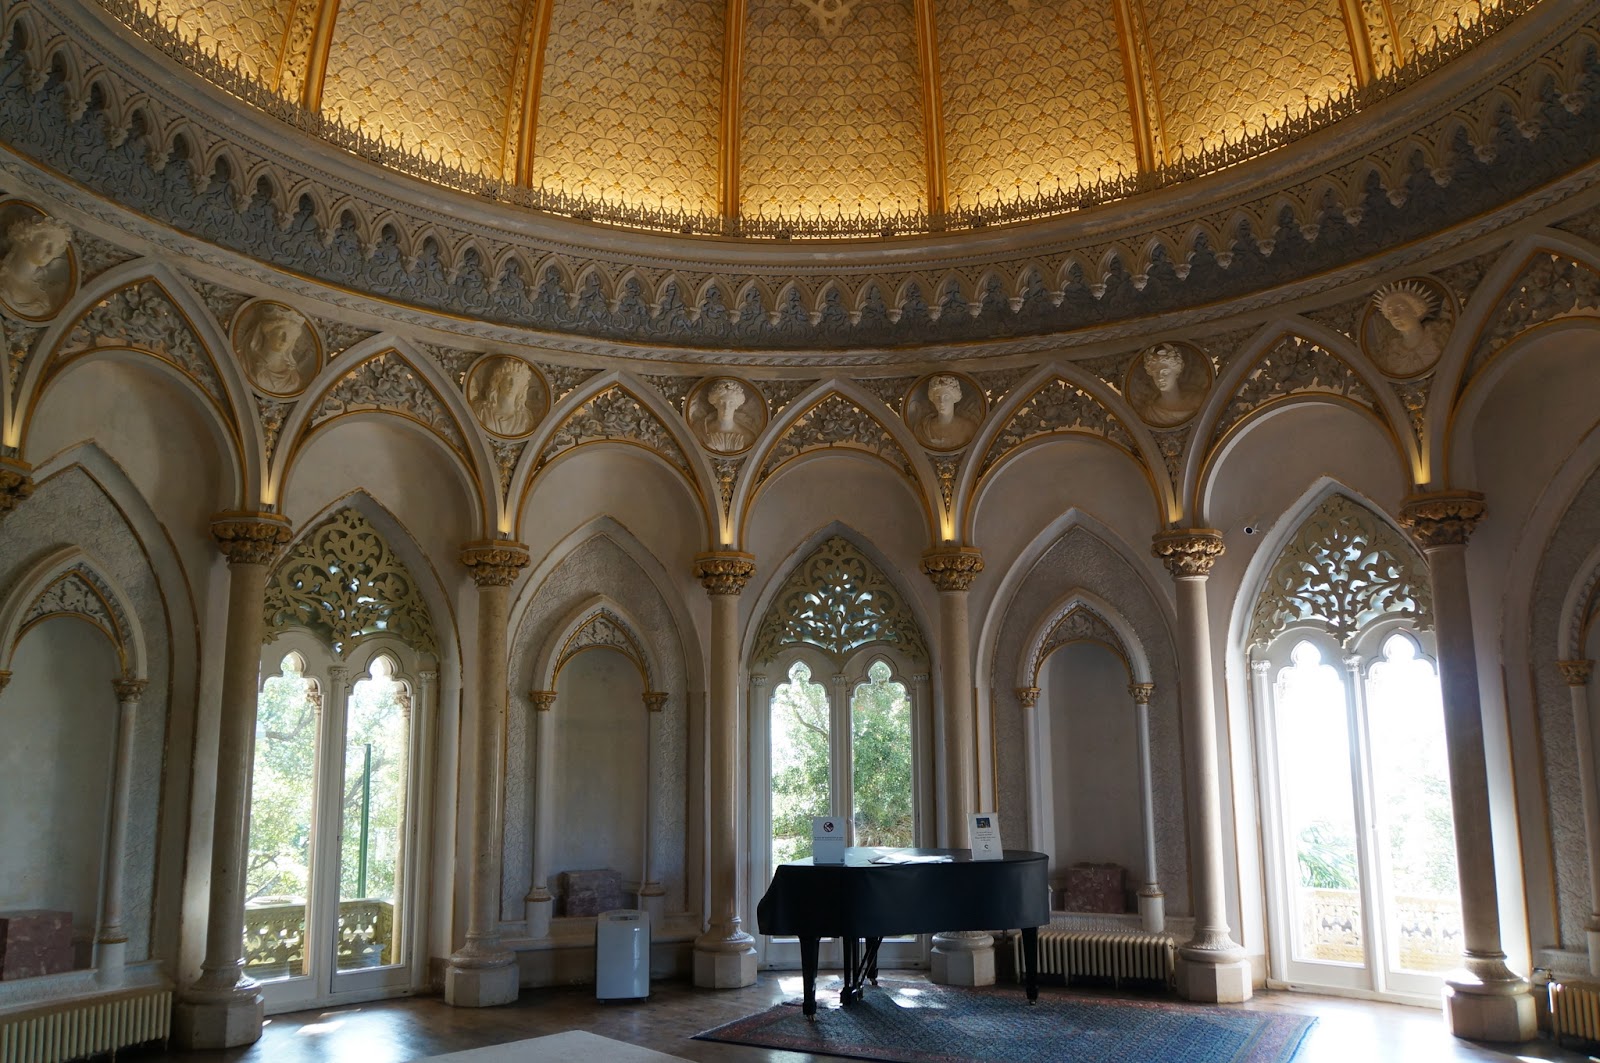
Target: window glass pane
point(1411, 779)
point(371, 841)
point(1319, 809)
point(282, 795)
point(880, 713)
point(799, 763)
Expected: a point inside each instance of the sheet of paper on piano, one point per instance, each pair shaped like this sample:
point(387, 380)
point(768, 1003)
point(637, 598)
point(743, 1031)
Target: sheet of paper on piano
point(909, 858)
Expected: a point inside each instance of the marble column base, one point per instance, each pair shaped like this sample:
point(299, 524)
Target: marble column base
point(221, 1022)
point(1594, 952)
point(111, 962)
point(962, 958)
point(481, 987)
point(1214, 983)
point(1152, 912)
point(724, 967)
point(1481, 1011)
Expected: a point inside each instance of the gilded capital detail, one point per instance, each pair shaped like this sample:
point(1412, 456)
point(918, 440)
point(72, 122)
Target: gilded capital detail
point(655, 700)
point(16, 484)
point(1188, 552)
point(953, 568)
point(1140, 692)
point(1028, 696)
point(543, 700)
point(1442, 518)
point(1575, 673)
point(724, 572)
point(249, 538)
point(494, 562)
point(129, 689)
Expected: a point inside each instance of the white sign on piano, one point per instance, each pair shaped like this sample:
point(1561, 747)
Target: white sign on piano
point(827, 841)
point(986, 836)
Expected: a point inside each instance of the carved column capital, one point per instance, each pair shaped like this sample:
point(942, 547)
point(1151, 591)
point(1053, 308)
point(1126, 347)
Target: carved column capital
point(128, 688)
point(16, 484)
point(248, 538)
point(1260, 667)
point(1575, 673)
point(1028, 696)
point(494, 562)
point(953, 568)
point(543, 700)
point(1442, 518)
point(1140, 692)
point(655, 700)
point(1188, 552)
point(724, 572)
point(5, 677)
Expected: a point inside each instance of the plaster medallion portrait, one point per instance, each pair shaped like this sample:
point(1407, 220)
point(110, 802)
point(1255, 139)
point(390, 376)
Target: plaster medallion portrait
point(1407, 325)
point(725, 414)
point(944, 410)
point(38, 271)
point(277, 346)
point(507, 395)
point(1167, 383)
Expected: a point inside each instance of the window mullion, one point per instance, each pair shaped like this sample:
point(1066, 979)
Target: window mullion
point(839, 766)
point(323, 924)
point(1366, 822)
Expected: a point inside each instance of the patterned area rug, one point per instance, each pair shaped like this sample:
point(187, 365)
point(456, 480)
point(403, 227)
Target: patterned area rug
point(920, 1023)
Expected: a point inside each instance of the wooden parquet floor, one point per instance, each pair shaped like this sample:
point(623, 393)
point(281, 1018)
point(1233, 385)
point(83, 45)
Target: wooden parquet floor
point(397, 1031)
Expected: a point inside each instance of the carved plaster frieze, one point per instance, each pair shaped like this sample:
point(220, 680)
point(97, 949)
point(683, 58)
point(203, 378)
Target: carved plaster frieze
point(565, 378)
point(271, 414)
point(1552, 287)
point(1343, 567)
point(143, 317)
point(838, 600)
point(388, 382)
point(1292, 366)
point(727, 470)
point(614, 414)
point(829, 310)
point(835, 421)
point(81, 591)
point(343, 581)
point(1078, 623)
point(1057, 406)
point(507, 453)
point(605, 629)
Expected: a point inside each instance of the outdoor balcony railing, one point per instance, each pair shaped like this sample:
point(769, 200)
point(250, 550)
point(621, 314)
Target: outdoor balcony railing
point(275, 936)
point(1430, 929)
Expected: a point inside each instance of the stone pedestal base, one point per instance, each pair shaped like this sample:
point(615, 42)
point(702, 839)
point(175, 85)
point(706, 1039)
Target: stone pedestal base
point(724, 968)
point(480, 987)
point(1152, 912)
point(111, 963)
point(962, 959)
point(1214, 983)
point(1505, 1016)
point(1594, 953)
point(226, 1022)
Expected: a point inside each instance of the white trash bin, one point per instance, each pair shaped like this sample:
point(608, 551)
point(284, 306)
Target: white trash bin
point(622, 955)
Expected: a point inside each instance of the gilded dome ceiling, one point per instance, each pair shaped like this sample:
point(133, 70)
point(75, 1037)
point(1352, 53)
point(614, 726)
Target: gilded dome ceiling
point(816, 109)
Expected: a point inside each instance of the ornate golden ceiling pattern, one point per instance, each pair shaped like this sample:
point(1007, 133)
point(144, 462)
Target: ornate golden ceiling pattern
point(807, 109)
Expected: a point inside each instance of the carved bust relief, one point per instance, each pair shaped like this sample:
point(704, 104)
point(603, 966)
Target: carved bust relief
point(38, 271)
point(277, 347)
point(507, 395)
point(1406, 326)
point(725, 414)
point(944, 410)
point(1167, 383)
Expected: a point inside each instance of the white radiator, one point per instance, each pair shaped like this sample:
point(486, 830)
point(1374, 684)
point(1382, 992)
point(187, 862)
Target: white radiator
point(1575, 1010)
point(1149, 957)
point(55, 1033)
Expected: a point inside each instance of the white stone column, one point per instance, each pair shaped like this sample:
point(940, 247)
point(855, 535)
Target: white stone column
point(222, 1009)
point(841, 769)
point(539, 905)
point(1485, 1001)
point(111, 940)
point(1576, 675)
point(651, 893)
point(1211, 965)
point(1041, 823)
point(724, 956)
point(962, 957)
point(483, 972)
point(1152, 902)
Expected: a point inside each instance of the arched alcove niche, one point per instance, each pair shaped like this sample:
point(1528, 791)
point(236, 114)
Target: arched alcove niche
point(1079, 563)
point(596, 639)
point(1084, 687)
point(82, 609)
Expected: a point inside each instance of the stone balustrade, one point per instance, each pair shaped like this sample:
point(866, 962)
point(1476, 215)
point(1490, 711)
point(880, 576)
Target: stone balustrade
point(275, 936)
point(1430, 929)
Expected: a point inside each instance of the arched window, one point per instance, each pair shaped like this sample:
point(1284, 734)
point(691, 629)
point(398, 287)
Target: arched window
point(1361, 854)
point(332, 877)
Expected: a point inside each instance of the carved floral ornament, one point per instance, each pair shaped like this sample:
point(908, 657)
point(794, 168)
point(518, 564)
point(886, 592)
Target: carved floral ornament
point(838, 600)
point(249, 538)
point(494, 562)
point(604, 629)
point(344, 582)
point(1188, 553)
point(1344, 567)
point(1079, 623)
point(953, 568)
point(79, 591)
point(724, 573)
point(1443, 518)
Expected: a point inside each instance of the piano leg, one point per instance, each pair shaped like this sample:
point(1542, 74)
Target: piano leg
point(1030, 961)
point(872, 958)
point(852, 971)
point(808, 973)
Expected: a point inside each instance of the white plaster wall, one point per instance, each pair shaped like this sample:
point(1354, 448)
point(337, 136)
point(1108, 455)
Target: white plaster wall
point(1094, 759)
point(58, 716)
point(600, 787)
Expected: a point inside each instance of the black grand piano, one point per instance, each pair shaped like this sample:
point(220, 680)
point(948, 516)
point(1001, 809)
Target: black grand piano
point(862, 900)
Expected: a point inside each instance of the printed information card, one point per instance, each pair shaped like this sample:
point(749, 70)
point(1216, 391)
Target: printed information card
point(827, 841)
point(986, 836)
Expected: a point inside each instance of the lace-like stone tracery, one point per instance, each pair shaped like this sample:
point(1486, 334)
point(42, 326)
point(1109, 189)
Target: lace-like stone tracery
point(1343, 568)
point(343, 582)
point(838, 600)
